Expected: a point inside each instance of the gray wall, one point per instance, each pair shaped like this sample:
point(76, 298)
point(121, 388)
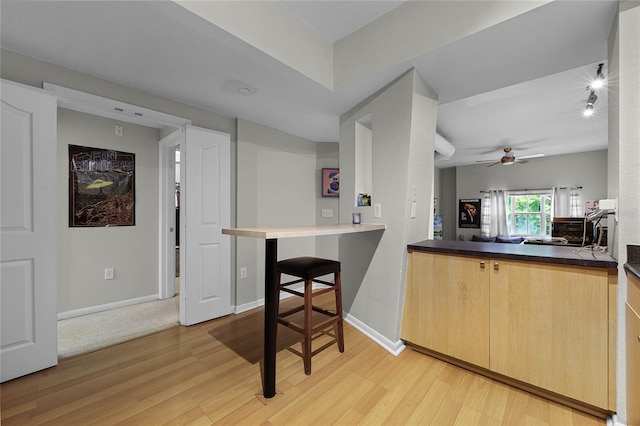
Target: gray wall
point(587, 169)
point(277, 176)
point(373, 264)
point(447, 202)
point(72, 294)
point(84, 253)
point(328, 156)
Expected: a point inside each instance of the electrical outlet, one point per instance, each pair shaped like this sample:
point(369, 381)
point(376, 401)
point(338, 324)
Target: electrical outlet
point(377, 210)
point(327, 213)
point(243, 273)
point(119, 130)
point(108, 273)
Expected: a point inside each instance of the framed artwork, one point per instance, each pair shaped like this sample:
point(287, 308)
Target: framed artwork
point(469, 213)
point(101, 187)
point(330, 182)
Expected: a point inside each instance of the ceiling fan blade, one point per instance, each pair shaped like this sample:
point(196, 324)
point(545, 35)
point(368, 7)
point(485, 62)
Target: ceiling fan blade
point(493, 164)
point(519, 160)
point(531, 156)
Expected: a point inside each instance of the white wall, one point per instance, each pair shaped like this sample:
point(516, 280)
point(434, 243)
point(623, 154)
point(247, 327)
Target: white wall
point(624, 165)
point(587, 169)
point(84, 253)
point(413, 28)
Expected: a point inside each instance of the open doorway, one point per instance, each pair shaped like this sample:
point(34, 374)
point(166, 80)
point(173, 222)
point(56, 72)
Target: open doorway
point(177, 221)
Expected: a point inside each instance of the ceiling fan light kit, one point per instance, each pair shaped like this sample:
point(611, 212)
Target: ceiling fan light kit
point(509, 158)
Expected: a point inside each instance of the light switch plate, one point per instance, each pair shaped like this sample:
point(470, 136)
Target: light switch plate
point(108, 273)
point(377, 210)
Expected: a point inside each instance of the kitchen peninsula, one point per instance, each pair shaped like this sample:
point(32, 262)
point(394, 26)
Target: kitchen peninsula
point(541, 318)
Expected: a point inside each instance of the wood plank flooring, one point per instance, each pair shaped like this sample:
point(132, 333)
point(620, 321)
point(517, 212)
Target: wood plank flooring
point(210, 374)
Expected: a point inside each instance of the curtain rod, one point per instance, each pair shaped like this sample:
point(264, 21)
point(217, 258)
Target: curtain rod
point(539, 189)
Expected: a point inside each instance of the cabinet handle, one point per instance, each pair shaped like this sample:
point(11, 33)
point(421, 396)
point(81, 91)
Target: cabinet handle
point(482, 264)
point(638, 337)
point(496, 266)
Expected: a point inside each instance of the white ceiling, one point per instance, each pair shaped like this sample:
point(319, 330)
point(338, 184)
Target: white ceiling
point(521, 83)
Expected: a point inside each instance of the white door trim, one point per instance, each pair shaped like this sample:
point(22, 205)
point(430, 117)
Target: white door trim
point(167, 218)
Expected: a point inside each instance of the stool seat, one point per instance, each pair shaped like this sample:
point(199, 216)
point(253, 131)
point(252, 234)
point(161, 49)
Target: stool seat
point(308, 270)
point(307, 267)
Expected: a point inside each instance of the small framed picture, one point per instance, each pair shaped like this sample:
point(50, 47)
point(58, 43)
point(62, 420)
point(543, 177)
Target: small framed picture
point(330, 182)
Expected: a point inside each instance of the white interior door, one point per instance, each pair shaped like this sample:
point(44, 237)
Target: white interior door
point(28, 269)
point(205, 270)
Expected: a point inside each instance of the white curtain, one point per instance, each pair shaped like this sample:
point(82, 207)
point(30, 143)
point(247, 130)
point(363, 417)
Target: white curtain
point(494, 214)
point(567, 202)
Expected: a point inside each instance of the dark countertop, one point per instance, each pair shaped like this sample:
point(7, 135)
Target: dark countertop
point(633, 260)
point(633, 269)
point(526, 252)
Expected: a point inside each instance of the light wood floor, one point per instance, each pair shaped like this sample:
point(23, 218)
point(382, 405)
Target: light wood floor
point(210, 373)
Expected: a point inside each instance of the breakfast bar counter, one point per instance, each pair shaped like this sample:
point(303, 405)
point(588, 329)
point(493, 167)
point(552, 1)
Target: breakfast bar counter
point(271, 234)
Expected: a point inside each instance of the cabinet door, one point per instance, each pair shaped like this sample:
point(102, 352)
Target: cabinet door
point(633, 367)
point(549, 327)
point(446, 306)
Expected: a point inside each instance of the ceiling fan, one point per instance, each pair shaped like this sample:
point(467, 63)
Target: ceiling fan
point(509, 158)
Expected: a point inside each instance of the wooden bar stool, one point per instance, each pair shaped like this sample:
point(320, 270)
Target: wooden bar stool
point(308, 270)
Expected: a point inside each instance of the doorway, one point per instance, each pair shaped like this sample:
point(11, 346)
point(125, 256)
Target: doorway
point(177, 221)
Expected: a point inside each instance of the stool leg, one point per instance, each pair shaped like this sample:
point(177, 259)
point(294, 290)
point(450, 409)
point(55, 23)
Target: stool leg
point(338, 292)
point(308, 310)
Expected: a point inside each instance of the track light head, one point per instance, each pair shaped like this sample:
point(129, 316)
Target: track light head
point(599, 81)
point(588, 110)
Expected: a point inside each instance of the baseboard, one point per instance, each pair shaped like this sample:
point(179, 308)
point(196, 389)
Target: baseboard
point(395, 348)
point(106, 307)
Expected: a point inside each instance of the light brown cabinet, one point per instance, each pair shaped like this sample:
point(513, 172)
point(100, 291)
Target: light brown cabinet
point(547, 325)
point(446, 305)
point(633, 350)
point(550, 328)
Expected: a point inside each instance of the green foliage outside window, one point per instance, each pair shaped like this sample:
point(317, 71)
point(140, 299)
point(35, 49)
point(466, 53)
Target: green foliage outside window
point(529, 214)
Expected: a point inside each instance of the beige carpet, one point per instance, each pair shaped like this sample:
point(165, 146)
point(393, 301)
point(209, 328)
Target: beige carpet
point(96, 331)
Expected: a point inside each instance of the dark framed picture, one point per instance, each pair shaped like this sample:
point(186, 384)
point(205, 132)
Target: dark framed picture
point(330, 182)
point(469, 213)
point(101, 187)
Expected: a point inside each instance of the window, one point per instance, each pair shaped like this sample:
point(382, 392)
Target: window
point(529, 213)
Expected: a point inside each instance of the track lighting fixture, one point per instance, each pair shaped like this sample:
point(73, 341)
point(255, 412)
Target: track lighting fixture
point(595, 85)
point(588, 109)
point(599, 80)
